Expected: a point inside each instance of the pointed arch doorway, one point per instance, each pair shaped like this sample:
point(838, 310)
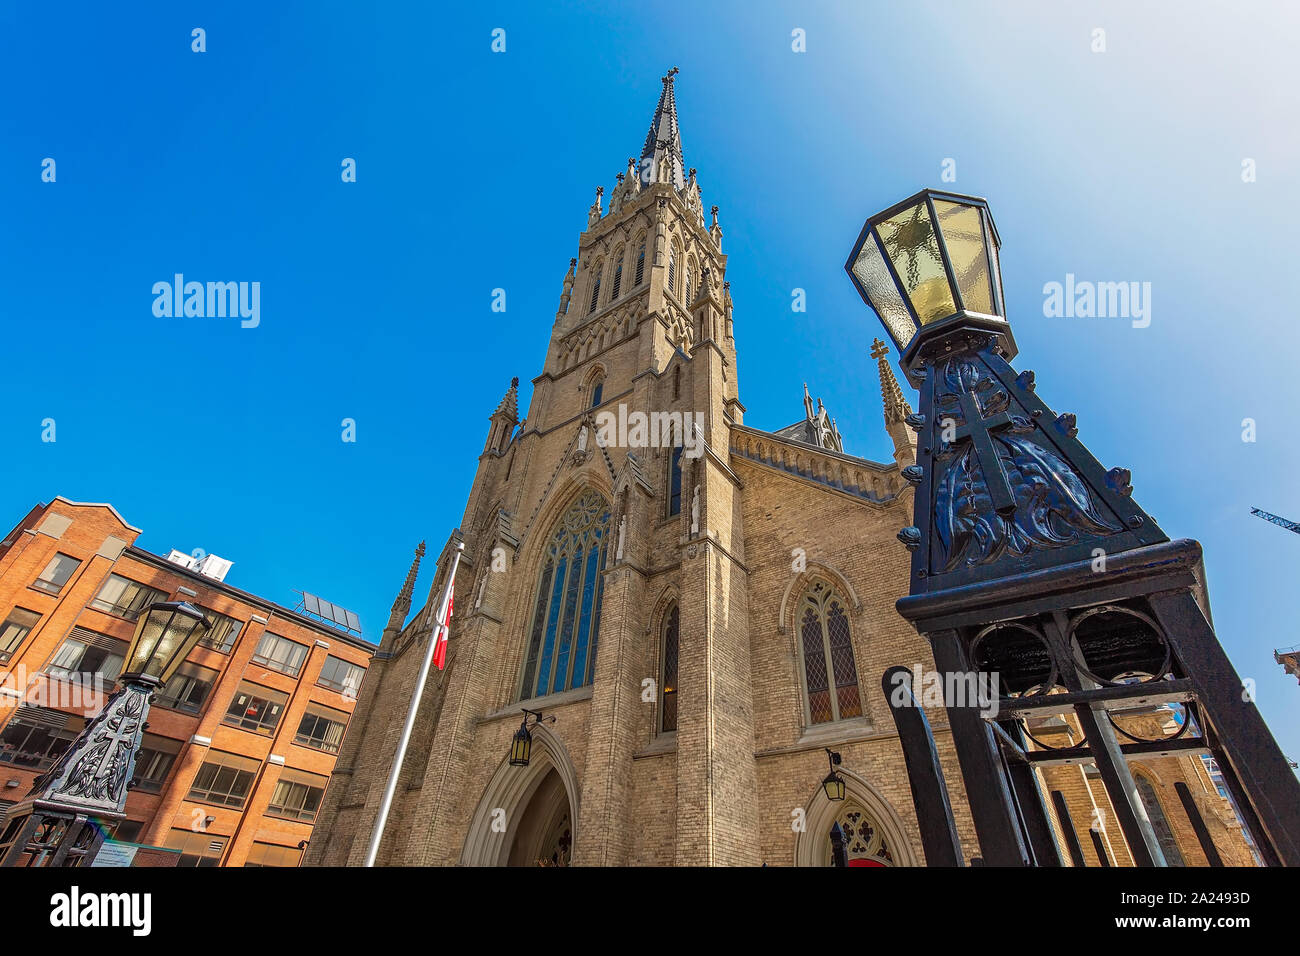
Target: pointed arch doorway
point(871, 825)
point(527, 815)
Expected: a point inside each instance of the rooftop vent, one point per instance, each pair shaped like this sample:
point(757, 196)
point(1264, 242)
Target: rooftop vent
point(208, 565)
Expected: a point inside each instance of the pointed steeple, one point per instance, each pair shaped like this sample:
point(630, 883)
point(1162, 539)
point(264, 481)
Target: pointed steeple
point(661, 157)
point(896, 408)
point(403, 603)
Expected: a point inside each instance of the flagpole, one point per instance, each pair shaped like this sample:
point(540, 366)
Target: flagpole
point(382, 820)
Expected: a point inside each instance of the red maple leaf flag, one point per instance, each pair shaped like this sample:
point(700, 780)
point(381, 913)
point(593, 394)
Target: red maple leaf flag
point(442, 629)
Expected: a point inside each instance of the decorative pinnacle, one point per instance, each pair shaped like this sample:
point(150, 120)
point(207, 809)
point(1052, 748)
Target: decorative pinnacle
point(403, 602)
point(896, 407)
point(510, 401)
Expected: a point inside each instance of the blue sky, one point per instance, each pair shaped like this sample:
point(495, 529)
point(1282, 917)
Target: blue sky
point(475, 171)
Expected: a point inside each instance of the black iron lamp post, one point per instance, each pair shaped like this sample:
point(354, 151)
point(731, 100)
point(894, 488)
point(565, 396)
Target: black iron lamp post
point(521, 747)
point(833, 785)
point(1035, 571)
point(62, 821)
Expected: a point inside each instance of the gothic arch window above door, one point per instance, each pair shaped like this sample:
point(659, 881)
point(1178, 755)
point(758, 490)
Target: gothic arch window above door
point(562, 636)
point(830, 673)
point(864, 840)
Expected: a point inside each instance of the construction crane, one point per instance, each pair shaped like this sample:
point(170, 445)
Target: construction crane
point(1293, 526)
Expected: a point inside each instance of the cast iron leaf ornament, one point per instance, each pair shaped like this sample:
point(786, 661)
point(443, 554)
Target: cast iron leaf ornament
point(1053, 506)
point(1001, 492)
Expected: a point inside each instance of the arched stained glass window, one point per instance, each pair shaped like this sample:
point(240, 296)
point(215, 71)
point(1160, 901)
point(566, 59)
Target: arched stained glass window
point(668, 678)
point(562, 639)
point(1159, 823)
point(830, 673)
point(863, 838)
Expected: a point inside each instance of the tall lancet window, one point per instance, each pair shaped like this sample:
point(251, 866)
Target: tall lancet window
point(672, 271)
point(618, 275)
point(595, 288)
point(675, 481)
point(640, 265)
point(830, 673)
point(668, 677)
point(561, 651)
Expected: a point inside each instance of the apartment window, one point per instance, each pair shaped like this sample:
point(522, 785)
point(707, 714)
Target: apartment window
point(342, 676)
point(269, 854)
point(56, 573)
point(222, 631)
point(225, 779)
point(125, 598)
point(297, 795)
point(85, 655)
point(256, 708)
point(128, 831)
point(280, 654)
point(35, 737)
point(197, 849)
point(321, 729)
point(157, 754)
point(14, 631)
point(188, 688)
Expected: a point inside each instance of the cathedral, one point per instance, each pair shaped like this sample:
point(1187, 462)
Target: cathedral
point(698, 612)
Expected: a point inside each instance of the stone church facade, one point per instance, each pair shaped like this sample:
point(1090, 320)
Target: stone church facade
point(702, 617)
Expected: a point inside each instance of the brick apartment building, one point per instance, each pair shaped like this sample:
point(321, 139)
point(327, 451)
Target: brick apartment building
point(240, 743)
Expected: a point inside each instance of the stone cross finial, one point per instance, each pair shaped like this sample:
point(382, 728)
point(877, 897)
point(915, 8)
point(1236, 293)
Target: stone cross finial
point(878, 349)
point(671, 73)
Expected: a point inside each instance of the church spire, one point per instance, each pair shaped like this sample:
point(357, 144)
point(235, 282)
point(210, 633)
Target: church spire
point(661, 157)
point(896, 407)
point(403, 603)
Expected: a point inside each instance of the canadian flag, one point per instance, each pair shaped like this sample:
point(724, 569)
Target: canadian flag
point(442, 630)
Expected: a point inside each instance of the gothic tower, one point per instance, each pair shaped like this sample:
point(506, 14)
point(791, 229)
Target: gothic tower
point(702, 606)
